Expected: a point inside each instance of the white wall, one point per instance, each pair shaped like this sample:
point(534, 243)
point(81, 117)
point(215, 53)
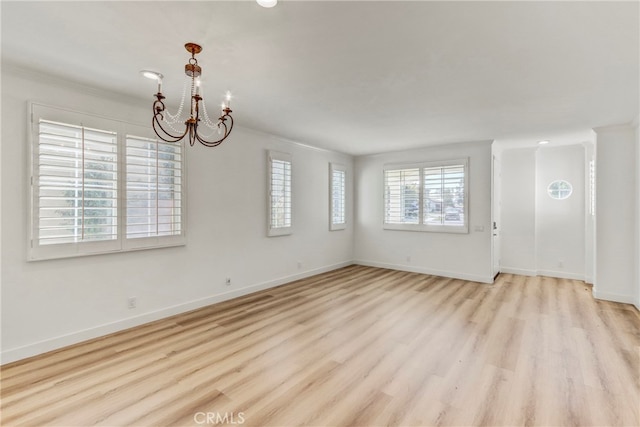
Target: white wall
point(466, 256)
point(49, 304)
point(616, 217)
point(518, 211)
point(560, 224)
point(539, 235)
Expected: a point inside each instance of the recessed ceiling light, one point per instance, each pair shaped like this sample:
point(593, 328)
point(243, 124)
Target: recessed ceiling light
point(267, 3)
point(543, 142)
point(153, 75)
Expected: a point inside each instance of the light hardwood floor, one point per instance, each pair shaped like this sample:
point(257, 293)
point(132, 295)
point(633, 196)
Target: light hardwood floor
point(357, 346)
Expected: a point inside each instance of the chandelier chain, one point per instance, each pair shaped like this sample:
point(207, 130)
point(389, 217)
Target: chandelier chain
point(174, 118)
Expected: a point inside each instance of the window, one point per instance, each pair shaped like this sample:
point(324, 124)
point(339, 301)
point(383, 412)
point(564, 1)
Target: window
point(337, 197)
point(402, 196)
point(79, 201)
point(280, 221)
point(77, 182)
point(592, 187)
point(154, 188)
point(427, 196)
point(559, 190)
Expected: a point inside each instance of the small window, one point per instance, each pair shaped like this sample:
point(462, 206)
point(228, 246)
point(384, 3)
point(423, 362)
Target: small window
point(427, 197)
point(337, 197)
point(559, 190)
point(280, 195)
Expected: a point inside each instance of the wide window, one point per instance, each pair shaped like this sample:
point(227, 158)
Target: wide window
point(337, 197)
point(427, 196)
point(86, 173)
point(280, 195)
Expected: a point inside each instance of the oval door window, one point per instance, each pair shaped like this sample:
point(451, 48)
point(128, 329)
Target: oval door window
point(559, 189)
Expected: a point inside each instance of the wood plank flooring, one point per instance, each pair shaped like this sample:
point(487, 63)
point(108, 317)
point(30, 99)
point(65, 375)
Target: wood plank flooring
point(357, 346)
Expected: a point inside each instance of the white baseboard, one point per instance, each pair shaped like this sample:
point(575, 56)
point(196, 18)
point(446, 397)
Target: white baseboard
point(422, 270)
point(627, 299)
point(548, 273)
point(33, 349)
point(560, 274)
point(518, 271)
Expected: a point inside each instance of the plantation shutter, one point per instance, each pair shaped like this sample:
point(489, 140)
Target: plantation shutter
point(401, 196)
point(444, 195)
point(338, 197)
point(280, 215)
point(153, 187)
point(76, 185)
point(427, 196)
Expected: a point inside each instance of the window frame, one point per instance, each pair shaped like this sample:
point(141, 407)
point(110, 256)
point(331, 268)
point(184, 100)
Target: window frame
point(421, 226)
point(334, 226)
point(559, 193)
point(36, 251)
point(281, 157)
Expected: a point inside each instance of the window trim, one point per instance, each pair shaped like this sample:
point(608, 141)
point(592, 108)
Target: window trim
point(284, 157)
point(421, 226)
point(342, 225)
point(37, 252)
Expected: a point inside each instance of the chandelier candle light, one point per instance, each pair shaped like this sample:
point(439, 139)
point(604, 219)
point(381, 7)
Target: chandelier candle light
point(162, 119)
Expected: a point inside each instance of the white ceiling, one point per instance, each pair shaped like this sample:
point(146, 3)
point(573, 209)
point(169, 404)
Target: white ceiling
point(353, 76)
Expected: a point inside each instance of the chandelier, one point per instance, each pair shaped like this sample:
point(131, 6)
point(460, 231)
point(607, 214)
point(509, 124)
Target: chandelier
point(164, 123)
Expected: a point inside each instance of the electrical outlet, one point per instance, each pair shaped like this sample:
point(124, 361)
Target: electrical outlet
point(299, 265)
point(560, 264)
point(408, 258)
point(132, 302)
point(228, 281)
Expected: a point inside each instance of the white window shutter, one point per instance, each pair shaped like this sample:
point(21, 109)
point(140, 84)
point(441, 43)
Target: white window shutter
point(77, 184)
point(429, 196)
point(402, 196)
point(337, 197)
point(154, 188)
point(280, 194)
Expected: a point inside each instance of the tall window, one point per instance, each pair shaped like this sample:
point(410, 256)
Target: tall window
point(88, 179)
point(154, 188)
point(280, 207)
point(77, 176)
point(402, 196)
point(427, 197)
point(337, 195)
point(592, 187)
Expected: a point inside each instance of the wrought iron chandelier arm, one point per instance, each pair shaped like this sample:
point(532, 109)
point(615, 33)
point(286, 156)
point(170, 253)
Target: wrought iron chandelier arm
point(226, 133)
point(161, 132)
